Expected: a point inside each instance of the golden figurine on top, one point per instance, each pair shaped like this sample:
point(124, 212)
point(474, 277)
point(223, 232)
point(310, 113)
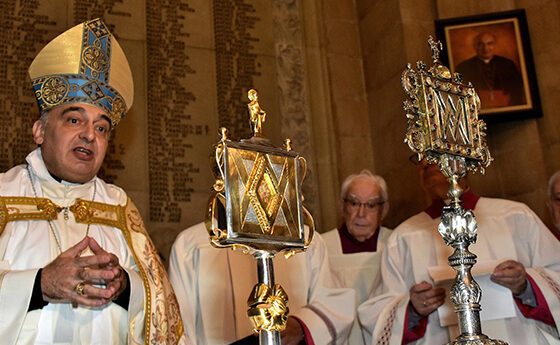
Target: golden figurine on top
point(256, 113)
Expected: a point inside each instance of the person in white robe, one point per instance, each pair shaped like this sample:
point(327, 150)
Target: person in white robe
point(213, 285)
point(355, 247)
point(404, 307)
point(76, 263)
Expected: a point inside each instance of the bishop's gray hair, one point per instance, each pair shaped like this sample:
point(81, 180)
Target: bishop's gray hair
point(44, 117)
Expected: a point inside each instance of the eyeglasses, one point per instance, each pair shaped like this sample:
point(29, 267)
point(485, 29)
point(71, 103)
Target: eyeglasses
point(355, 205)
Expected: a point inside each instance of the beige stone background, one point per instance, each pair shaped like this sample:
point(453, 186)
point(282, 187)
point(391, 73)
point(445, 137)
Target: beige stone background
point(328, 73)
point(526, 152)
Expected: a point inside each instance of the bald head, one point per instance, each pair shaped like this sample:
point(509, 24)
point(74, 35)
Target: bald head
point(484, 44)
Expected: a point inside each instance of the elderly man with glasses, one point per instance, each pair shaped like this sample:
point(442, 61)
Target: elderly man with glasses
point(354, 248)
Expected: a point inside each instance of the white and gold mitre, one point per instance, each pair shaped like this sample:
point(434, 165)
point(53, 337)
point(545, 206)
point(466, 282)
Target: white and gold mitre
point(85, 64)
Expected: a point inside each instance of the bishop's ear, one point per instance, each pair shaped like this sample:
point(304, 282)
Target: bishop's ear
point(38, 132)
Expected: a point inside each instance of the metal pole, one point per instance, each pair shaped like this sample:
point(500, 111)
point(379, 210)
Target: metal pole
point(265, 272)
point(458, 228)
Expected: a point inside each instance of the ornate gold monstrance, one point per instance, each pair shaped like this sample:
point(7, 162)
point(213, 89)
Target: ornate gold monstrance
point(444, 129)
point(256, 206)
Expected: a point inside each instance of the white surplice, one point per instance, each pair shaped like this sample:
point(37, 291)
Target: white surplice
point(358, 271)
point(28, 245)
point(212, 286)
point(507, 229)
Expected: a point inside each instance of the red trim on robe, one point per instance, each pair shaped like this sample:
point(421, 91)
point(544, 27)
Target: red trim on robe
point(555, 233)
point(469, 203)
point(308, 339)
point(350, 245)
point(410, 335)
point(434, 211)
point(541, 312)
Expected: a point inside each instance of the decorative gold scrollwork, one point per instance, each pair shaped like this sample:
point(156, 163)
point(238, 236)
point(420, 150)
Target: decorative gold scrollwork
point(50, 208)
point(442, 114)
point(119, 107)
point(268, 310)
point(54, 90)
point(96, 59)
point(81, 211)
point(311, 223)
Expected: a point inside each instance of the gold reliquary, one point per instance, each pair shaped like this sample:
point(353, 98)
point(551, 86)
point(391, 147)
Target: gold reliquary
point(442, 114)
point(257, 202)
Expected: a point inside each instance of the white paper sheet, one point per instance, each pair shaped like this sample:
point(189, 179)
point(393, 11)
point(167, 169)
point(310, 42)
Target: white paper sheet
point(502, 307)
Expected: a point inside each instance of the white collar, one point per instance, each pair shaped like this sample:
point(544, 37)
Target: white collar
point(37, 165)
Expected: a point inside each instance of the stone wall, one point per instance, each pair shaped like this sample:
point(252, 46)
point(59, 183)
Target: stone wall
point(328, 74)
point(193, 62)
point(526, 151)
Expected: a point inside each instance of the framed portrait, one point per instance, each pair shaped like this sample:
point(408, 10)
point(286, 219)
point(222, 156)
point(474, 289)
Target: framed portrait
point(493, 52)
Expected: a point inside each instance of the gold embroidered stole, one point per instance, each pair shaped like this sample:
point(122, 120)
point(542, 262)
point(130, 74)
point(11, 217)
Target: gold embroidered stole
point(163, 321)
point(14, 208)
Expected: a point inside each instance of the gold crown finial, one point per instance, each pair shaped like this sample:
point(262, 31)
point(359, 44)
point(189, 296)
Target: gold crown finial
point(442, 115)
point(436, 47)
point(223, 133)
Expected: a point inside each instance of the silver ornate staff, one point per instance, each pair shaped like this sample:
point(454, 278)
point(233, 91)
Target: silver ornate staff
point(259, 186)
point(444, 129)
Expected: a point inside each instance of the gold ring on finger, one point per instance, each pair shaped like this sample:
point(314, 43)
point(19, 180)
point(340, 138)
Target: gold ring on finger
point(80, 289)
point(425, 303)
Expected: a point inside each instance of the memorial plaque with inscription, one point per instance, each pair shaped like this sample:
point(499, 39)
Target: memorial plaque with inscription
point(193, 62)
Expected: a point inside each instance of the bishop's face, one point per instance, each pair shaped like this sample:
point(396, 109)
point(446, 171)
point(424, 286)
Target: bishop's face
point(73, 141)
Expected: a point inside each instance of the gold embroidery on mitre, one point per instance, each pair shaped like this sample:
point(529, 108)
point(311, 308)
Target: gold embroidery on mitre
point(53, 90)
point(101, 75)
point(96, 59)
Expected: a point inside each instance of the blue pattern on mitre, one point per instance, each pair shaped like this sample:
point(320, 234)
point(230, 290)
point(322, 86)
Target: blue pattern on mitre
point(90, 83)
